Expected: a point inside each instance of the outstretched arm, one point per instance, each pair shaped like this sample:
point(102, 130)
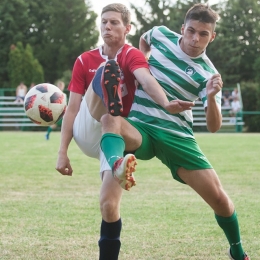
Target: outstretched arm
point(63, 163)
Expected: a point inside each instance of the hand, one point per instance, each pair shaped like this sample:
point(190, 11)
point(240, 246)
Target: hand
point(177, 106)
point(214, 85)
point(63, 165)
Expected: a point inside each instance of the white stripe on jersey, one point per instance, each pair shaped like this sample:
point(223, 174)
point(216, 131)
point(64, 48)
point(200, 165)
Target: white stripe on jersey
point(149, 111)
point(162, 77)
point(176, 133)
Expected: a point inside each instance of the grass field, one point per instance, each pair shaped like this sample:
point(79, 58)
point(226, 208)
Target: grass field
point(44, 215)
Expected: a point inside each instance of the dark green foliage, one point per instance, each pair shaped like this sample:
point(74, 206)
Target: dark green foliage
point(23, 67)
point(57, 31)
point(238, 40)
point(155, 13)
point(251, 103)
point(14, 22)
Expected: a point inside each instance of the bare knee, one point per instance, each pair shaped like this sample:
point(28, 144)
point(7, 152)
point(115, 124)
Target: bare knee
point(110, 209)
point(111, 124)
point(222, 204)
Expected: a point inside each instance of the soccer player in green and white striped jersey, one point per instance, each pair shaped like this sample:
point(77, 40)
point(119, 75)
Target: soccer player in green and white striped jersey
point(181, 76)
point(180, 64)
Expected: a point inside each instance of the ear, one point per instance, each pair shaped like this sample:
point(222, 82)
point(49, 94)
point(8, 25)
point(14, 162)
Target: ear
point(182, 29)
point(128, 28)
point(213, 37)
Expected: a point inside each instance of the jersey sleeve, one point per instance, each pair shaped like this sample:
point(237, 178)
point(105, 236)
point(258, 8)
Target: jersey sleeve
point(148, 36)
point(77, 83)
point(135, 60)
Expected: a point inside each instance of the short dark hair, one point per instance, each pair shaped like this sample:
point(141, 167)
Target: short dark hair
point(202, 13)
point(119, 8)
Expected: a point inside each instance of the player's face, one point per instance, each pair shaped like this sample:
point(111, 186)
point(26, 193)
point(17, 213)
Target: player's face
point(113, 30)
point(196, 36)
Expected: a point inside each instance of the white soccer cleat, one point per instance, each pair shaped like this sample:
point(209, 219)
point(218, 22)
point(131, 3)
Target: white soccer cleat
point(123, 171)
point(246, 257)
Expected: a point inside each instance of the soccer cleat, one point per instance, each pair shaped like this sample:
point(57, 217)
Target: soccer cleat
point(47, 136)
point(110, 83)
point(231, 257)
point(123, 171)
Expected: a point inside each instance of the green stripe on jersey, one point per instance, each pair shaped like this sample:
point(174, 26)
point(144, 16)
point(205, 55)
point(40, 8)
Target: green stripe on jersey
point(180, 63)
point(145, 103)
point(173, 76)
point(204, 65)
point(166, 125)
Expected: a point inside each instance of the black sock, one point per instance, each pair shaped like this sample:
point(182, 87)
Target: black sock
point(109, 242)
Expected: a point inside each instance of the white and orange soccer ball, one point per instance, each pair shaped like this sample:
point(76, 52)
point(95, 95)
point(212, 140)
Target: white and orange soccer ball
point(45, 104)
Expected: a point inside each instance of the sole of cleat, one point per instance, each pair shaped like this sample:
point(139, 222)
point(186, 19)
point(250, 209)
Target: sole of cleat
point(111, 84)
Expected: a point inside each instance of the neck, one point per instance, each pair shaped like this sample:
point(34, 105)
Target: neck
point(111, 51)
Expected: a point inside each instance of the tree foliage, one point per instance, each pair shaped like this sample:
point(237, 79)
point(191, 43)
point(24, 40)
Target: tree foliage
point(23, 67)
point(159, 12)
point(237, 43)
point(58, 31)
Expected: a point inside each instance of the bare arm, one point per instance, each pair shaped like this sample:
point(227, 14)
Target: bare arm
point(144, 48)
point(63, 163)
point(213, 114)
point(155, 91)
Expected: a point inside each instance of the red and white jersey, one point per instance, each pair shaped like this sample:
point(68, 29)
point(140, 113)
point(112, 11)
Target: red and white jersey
point(86, 65)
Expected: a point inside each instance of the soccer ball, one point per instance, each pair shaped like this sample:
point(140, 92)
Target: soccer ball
point(45, 104)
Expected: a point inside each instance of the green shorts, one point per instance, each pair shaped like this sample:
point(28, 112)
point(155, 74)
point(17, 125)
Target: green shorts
point(173, 151)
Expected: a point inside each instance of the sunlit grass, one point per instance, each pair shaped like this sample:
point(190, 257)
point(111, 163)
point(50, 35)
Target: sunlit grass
point(44, 215)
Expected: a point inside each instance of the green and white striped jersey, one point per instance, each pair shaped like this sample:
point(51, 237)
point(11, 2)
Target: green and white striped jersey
point(181, 76)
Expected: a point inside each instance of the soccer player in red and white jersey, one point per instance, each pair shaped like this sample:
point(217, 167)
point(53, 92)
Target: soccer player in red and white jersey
point(81, 120)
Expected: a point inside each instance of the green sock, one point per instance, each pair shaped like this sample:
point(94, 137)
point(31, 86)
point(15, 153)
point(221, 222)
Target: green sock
point(231, 230)
point(49, 130)
point(113, 147)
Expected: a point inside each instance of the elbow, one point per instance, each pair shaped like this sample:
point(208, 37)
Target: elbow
point(213, 128)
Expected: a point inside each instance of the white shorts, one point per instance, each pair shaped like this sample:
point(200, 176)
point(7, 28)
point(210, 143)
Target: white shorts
point(87, 135)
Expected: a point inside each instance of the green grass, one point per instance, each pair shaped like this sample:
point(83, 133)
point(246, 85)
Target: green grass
point(44, 215)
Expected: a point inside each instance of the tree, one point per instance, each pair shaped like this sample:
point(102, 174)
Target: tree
point(57, 30)
point(159, 12)
point(14, 22)
point(23, 67)
point(15, 64)
point(237, 42)
point(62, 32)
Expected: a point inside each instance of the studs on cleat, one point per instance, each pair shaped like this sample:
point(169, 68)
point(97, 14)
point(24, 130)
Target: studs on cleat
point(111, 88)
